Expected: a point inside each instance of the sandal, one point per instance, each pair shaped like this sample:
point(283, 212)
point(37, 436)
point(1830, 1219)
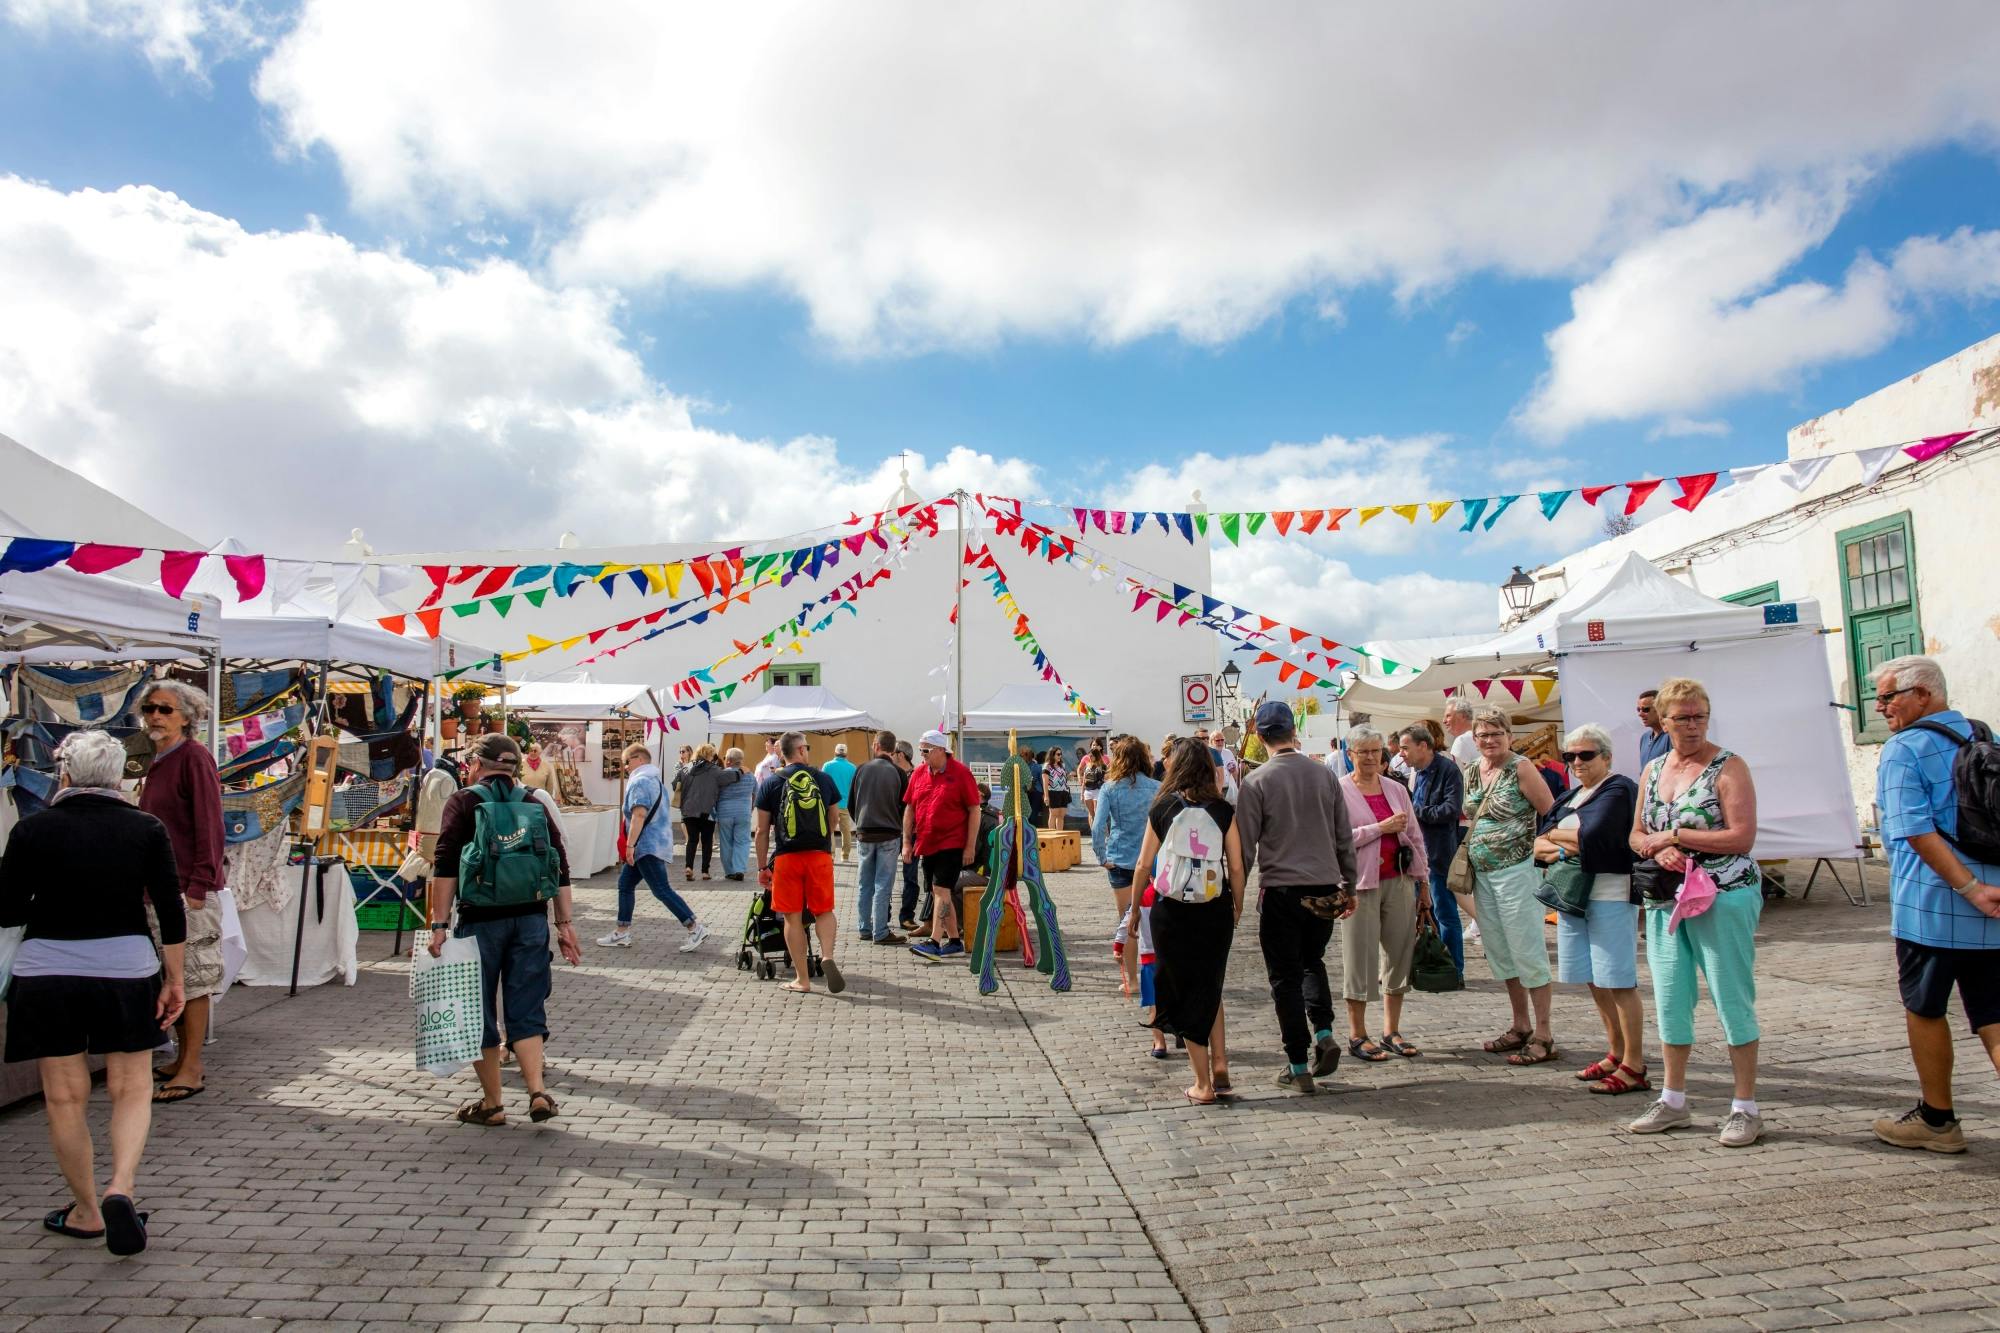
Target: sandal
point(479, 1113)
point(1513, 1039)
point(1602, 1069)
point(1621, 1080)
point(1534, 1051)
point(1198, 1101)
point(547, 1111)
point(1221, 1082)
point(1393, 1041)
point(1364, 1048)
point(124, 1225)
point(175, 1092)
point(58, 1222)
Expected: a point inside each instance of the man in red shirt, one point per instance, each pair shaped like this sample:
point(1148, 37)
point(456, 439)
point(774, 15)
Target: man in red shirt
point(941, 830)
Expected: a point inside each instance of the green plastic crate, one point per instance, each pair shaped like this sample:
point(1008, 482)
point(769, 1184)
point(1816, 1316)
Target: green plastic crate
point(383, 912)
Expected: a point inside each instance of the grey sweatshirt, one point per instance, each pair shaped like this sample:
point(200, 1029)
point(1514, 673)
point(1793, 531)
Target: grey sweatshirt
point(1292, 819)
point(875, 799)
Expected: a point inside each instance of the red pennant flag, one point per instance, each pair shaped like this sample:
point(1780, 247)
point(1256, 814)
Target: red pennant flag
point(655, 617)
point(394, 624)
point(1591, 494)
point(1265, 659)
point(1307, 680)
point(725, 574)
point(429, 620)
point(596, 634)
point(1285, 671)
point(1266, 622)
point(1694, 489)
point(176, 569)
point(1298, 636)
point(465, 573)
point(627, 626)
point(1312, 520)
point(704, 576)
point(496, 579)
point(1329, 645)
point(1333, 517)
point(1638, 492)
point(1512, 687)
point(1186, 616)
point(1283, 518)
point(92, 558)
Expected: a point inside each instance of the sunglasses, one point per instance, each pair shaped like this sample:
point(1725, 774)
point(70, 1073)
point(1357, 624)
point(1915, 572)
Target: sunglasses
point(1577, 756)
point(150, 709)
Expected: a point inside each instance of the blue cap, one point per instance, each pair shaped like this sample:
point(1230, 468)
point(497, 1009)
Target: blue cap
point(1276, 718)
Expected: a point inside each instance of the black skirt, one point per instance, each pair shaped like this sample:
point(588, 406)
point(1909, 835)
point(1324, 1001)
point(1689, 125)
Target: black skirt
point(55, 1016)
point(1191, 955)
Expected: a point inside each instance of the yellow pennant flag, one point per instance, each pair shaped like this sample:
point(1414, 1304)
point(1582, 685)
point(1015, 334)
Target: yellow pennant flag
point(513, 657)
point(656, 579)
point(1543, 689)
point(537, 645)
point(1406, 512)
point(674, 574)
point(1368, 513)
point(612, 571)
point(568, 644)
point(1439, 508)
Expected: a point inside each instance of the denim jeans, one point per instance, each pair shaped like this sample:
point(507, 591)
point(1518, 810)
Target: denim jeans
point(514, 973)
point(733, 832)
point(910, 890)
point(877, 881)
point(654, 871)
point(1445, 907)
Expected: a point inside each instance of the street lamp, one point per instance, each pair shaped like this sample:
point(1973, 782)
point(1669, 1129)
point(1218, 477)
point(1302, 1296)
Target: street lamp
point(1226, 688)
point(1519, 590)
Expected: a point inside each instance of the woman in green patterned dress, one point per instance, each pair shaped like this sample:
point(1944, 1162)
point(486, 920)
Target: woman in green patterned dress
point(1504, 796)
point(1697, 804)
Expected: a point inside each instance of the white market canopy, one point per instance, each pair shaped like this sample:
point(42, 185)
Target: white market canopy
point(578, 700)
point(1037, 709)
point(58, 615)
point(793, 708)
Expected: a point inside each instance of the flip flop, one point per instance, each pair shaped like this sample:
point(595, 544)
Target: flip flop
point(58, 1222)
point(124, 1225)
point(1199, 1101)
point(175, 1092)
point(835, 983)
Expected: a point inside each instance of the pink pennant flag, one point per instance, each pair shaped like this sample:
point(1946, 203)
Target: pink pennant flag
point(1512, 687)
point(177, 568)
point(1160, 611)
point(91, 558)
point(248, 571)
point(1482, 686)
point(1118, 517)
point(1933, 445)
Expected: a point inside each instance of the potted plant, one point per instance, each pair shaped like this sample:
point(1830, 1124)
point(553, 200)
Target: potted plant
point(468, 698)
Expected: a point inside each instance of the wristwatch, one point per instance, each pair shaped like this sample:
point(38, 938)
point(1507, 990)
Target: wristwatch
point(440, 925)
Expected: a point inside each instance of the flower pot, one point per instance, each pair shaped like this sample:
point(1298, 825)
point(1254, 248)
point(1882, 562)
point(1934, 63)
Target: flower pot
point(448, 727)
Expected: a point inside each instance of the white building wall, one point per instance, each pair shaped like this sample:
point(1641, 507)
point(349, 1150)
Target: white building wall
point(1766, 533)
point(882, 658)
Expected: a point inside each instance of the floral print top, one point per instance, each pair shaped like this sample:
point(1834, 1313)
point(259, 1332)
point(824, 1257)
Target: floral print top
point(1699, 807)
point(1505, 834)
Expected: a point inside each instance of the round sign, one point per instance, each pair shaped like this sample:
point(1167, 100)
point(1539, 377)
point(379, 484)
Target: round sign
point(1197, 692)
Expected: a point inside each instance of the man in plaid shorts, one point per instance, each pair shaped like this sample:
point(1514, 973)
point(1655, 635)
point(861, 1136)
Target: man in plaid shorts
point(1944, 908)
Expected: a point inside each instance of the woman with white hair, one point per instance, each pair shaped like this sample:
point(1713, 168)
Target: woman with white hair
point(1378, 940)
point(87, 980)
point(1504, 794)
point(182, 791)
point(1586, 833)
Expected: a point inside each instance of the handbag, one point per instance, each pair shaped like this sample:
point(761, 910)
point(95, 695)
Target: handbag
point(1565, 886)
point(1459, 878)
point(1655, 882)
point(1431, 968)
point(625, 825)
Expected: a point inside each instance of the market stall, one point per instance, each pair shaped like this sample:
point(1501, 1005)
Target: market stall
point(582, 726)
point(813, 709)
point(1037, 714)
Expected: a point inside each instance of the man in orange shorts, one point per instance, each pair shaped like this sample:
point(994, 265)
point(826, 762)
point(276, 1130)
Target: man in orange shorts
point(797, 806)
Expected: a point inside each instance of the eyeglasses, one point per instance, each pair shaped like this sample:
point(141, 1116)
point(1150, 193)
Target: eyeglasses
point(1577, 756)
point(1884, 696)
point(1489, 735)
point(1688, 719)
point(150, 709)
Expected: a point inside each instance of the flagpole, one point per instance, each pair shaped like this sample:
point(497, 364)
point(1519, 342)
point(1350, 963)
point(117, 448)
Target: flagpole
point(959, 500)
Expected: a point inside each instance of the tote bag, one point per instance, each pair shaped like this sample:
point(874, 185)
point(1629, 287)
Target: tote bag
point(450, 1014)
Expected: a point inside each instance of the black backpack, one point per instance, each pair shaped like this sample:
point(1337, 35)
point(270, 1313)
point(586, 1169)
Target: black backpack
point(1975, 774)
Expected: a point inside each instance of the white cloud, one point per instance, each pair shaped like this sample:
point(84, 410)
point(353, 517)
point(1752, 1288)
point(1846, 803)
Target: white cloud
point(1674, 428)
point(185, 35)
point(1291, 581)
point(1698, 315)
point(1460, 331)
point(918, 175)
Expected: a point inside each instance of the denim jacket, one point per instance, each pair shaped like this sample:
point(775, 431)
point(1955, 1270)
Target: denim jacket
point(1120, 827)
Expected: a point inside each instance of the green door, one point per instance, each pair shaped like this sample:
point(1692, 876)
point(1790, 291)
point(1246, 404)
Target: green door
point(1878, 593)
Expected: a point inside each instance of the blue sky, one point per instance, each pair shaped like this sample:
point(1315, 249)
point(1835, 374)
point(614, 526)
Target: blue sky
point(736, 349)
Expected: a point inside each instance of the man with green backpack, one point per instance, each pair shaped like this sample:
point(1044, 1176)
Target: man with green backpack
point(795, 827)
point(501, 858)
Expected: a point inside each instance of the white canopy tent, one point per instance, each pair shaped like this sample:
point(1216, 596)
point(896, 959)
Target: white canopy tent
point(1037, 709)
point(793, 708)
point(1765, 669)
point(576, 700)
point(58, 615)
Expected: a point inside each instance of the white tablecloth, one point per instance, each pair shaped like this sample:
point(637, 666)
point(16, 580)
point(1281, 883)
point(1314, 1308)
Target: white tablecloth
point(591, 839)
point(327, 953)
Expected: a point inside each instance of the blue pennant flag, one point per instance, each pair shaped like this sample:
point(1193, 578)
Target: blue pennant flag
point(1185, 522)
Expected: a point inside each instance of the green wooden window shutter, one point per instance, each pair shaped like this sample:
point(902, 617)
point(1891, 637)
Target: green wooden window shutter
point(1878, 594)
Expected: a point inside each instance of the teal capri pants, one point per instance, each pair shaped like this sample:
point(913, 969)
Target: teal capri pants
point(1511, 923)
point(1720, 945)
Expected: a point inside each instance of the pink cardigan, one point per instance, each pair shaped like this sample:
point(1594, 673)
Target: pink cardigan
point(1368, 832)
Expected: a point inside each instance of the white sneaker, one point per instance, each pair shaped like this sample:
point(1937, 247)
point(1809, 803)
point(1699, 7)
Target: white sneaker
point(1741, 1130)
point(695, 937)
point(617, 939)
point(1471, 931)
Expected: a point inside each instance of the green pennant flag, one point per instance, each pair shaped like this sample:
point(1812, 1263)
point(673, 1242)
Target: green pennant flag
point(465, 609)
point(1255, 521)
point(765, 562)
point(729, 689)
point(1201, 524)
point(1231, 525)
point(504, 604)
point(1390, 668)
point(536, 596)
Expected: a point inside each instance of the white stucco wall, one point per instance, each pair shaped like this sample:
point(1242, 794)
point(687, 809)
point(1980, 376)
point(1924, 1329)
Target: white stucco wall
point(881, 659)
point(1953, 502)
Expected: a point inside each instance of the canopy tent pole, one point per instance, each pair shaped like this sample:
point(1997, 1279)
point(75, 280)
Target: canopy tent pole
point(959, 499)
point(315, 715)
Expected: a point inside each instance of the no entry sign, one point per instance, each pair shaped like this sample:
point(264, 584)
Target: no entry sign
point(1198, 698)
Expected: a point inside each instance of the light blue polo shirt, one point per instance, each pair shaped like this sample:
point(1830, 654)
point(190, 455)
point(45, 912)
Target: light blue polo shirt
point(1916, 794)
point(641, 790)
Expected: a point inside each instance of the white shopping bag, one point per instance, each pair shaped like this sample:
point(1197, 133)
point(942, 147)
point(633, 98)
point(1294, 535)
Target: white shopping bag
point(450, 1017)
point(10, 944)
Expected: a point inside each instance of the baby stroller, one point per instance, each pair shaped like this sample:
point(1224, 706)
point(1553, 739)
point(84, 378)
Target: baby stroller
point(763, 949)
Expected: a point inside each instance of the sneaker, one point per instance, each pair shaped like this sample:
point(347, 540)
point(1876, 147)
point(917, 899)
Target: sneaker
point(617, 939)
point(1741, 1130)
point(1911, 1130)
point(1326, 1057)
point(1299, 1083)
point(1660, 1117)
point(952, 949)
point(927, 950)
point(695, 937)
point(891, 937)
